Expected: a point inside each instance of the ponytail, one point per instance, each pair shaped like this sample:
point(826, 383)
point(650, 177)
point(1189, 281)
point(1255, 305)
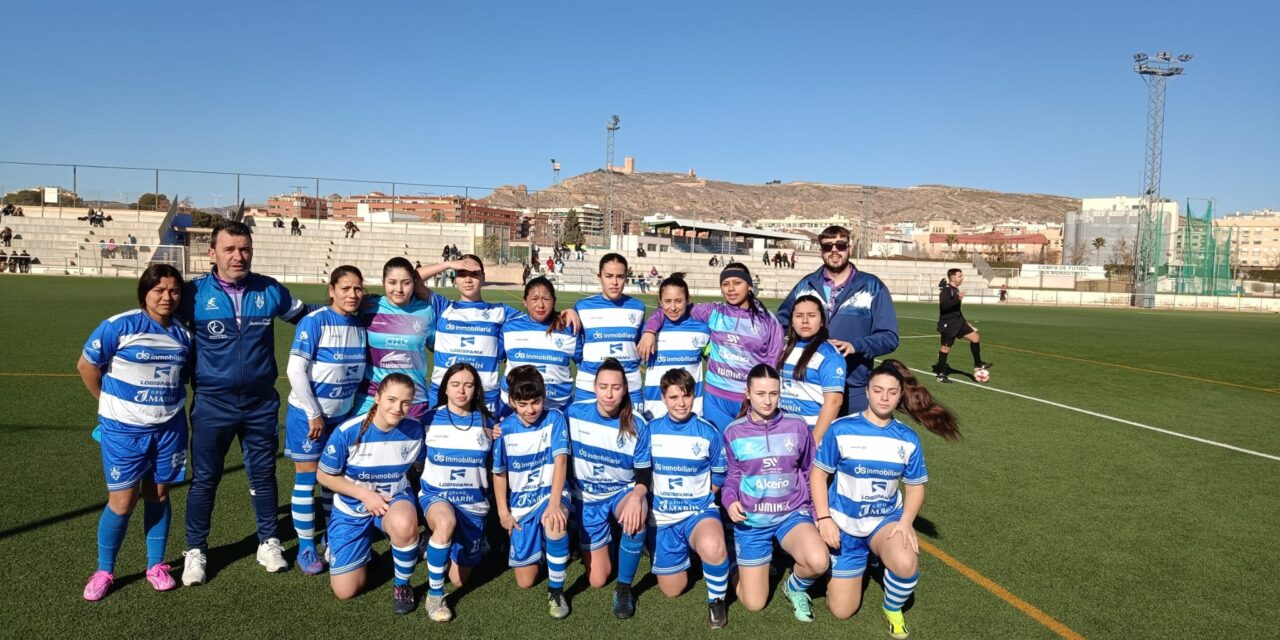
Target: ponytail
point(917, 402)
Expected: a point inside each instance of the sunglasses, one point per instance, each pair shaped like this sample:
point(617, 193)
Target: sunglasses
point(839, 245)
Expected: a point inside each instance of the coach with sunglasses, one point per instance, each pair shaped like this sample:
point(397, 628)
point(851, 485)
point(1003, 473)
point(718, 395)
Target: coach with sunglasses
point(860, 315)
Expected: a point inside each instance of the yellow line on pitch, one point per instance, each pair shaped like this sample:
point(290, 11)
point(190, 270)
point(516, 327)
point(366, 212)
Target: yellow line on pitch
point(1125, 366)
point(1000, 592)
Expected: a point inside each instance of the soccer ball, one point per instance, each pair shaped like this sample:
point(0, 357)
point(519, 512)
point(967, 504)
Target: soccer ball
point(981, 375)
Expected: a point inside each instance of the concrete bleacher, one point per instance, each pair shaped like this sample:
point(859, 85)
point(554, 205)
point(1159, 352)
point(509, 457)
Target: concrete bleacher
point(907, 279)
point(67, 246)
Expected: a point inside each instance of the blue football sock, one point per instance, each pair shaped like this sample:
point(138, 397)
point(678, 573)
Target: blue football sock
point(717, 578)
point(111, 530)
point(557, 561)
point(798, 584)
point(629, 551)
point(404, 558)
point(437, 561)
point(304, 517)
point(155, 520)
point(898, 589)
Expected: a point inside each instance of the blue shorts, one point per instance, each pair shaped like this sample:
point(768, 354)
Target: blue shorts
point(126, 459)
point(718, 411)
point(468, 534)
point(297, 446)
point(851, 560)
point(594, 531)
point(753, 546)
point(527, 541)
point(351, 538)
point(671, 542)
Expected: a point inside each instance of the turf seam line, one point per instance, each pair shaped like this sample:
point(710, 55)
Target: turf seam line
point(1000, 592)
point(1131, 368)
point(1112, 418)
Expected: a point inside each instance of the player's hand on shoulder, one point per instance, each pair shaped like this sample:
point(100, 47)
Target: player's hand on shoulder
point(845, 348)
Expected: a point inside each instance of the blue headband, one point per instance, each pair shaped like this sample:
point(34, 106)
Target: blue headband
point(735, 272)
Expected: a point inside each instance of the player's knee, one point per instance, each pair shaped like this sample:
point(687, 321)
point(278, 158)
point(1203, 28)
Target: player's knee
point(752, 602)
point(599, 578)
point(841, 610)
point(525, 581)
point(816, 563)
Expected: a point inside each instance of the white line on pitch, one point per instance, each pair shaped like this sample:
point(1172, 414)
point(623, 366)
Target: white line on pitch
point(914, 337)
point(1112, 418)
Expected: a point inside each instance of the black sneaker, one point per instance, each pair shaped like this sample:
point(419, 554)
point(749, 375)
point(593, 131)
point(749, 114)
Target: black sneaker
point(718, 613)
point(942, 377)
point(403, 601)
point(624, 603)
point(983, 365)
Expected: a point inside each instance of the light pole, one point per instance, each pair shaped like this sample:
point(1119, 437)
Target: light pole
point(611, 127)
point(1155, 69)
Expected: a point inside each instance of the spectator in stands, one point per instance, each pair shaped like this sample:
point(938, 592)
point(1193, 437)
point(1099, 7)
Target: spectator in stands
point(1004, 292)
point(714, 261)
point(792, 262)
point(640, 252)
point(860, 314)
point(351, 229)
point(445, 253)
point(295, 228)
point(19, 213)
point(6, 236)
point(767, 261)
point(528, 271)
point(13, 262)
point(112, 248)
point(278, 223)
point(4, 262)
point(8, 210)
point(551, 265)
point(582, 252)
point(102, 248)
point(24, 262)
point(131, 251)
point(417, 264)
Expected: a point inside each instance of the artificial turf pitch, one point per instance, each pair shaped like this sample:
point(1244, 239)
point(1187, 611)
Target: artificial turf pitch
point(1105, 529)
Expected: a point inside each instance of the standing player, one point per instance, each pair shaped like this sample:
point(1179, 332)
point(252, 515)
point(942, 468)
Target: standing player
point(766, 494)
point(812, 370)
point(530, 464)
point(610, 328)
point(455, 483)
point(400, 328)
point(862, 511)
point(134, 364)
point(542, 339)
point(366, 462)
point(689, 467)
point(860, 315)
point(326, 364)
point(231, 313)
point(681, 344)
point(469, 330)
point(743, 335)
point(952, 325)
point(612, 479)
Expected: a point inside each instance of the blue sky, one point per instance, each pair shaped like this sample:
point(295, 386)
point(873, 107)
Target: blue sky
point(1016, 96)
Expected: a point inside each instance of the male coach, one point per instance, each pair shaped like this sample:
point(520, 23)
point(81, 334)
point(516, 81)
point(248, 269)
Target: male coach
point(231, 313)
point(860, 315)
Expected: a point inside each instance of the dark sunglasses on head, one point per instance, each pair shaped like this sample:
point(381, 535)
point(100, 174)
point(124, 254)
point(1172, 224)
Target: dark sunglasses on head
point(839, 245)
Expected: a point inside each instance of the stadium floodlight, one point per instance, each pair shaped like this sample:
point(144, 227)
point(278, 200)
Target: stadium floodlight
point(1186, 57)
point(1139, 57)
point(1165, 55)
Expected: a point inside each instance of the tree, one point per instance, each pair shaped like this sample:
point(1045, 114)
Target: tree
point(1052, 256)
point(205, 220)
point(951, 243)
point(1076, 255)
point(490, 249)
point(999, 249)
point(147, 202)
point(1098, 244)
point(187, 204)
point(572, 231)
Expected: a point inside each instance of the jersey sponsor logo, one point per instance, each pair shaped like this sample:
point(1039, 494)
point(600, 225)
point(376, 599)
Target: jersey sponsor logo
point(353, 370)
point(878, 486)
point(867, 471)
point(217, 329)
point(769, 463)
point(732, 338)
point(302, 336)
point(151, 396)
point(525, 499)
point(211, 304)
point(534, 477)
point(770, 507)
point(613, 335)
point(331, 450)
point(675, 483)
point(457, 474)
point(162, 372)
point(615, 348)
point(177, 460)
point(597, 469)
point(397, 342)
point(95, 345)
point(337, 392)
point(395, 361)
point(468, 341)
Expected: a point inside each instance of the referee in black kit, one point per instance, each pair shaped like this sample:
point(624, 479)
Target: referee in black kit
point(952, 325)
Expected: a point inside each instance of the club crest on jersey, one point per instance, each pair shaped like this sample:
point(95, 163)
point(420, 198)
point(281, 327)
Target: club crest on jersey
point(95, 345)
point(633, 318)
point(211, 304)
point(406, 450)
point(559, 342)
point(696, 449)
point(115, 473)
point(331, 450)
point(258, 301)
point(789, 444)
point(303, 337)
point(902, 453)
point(417, 326)
point(486, 313)
point(481, 439)
point(307, 446)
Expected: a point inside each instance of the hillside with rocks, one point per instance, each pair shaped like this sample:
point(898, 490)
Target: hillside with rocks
point(640, 194)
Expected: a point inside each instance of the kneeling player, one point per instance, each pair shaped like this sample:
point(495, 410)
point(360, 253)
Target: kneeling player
point(688, 469)
point(455, 483)
point(366, 463)
point(530, 464)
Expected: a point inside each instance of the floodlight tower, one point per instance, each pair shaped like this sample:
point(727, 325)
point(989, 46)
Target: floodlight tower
point(555, 173)
point(1155, 69)
point(611, 127)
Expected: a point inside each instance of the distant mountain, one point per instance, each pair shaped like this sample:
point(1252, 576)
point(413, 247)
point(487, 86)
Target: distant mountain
point(640, 194)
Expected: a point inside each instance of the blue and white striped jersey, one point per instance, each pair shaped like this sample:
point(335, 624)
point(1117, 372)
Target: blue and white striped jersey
point(867, 462)
point(143, 371)
point(526, 341)
point(469, 332)
point(681, 345)
point(824, 373)
point(527, 454)
point(334, 344)
point(688, 458)
point(457, 463)
point(379, 460)
point(610, 329)
point(604, 462)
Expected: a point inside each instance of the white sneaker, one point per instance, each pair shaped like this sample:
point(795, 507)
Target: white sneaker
point(271, 556)
point(193, 561)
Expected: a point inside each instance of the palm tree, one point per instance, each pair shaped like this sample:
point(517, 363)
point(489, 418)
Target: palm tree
point(951, 242)
point(1098, 244)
